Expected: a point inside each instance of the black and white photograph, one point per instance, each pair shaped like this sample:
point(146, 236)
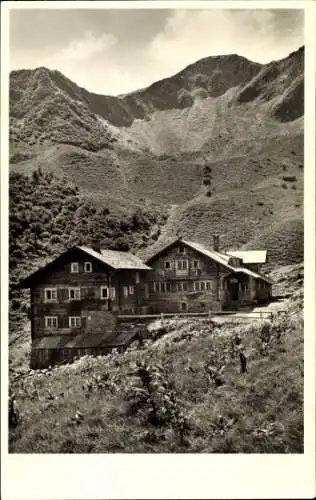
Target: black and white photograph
point(156, 173)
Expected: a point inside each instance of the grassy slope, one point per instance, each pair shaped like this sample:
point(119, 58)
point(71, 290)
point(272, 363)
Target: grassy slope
point(247, 189)
point(261, 410)
point(256, 212)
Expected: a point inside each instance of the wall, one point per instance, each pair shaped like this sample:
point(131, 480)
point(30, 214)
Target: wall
point(91, 307)
point(171, 299)
point(256, 290)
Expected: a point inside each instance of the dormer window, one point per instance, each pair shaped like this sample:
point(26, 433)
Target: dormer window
point(87, 267)
point(74, 267)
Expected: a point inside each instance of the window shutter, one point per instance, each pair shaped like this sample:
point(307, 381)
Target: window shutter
point(60, 295)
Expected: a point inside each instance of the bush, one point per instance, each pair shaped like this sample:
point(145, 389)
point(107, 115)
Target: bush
point(289, 178)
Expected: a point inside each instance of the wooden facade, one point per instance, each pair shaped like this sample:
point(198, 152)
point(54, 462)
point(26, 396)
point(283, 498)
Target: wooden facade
point(74, 302)
point(75, 299)
point(185, 277)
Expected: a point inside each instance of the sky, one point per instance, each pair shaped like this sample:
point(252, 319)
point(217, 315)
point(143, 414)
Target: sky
point(119, 51)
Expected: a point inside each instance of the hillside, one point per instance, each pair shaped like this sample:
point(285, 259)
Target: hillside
point(216, 145)
point(157, 396)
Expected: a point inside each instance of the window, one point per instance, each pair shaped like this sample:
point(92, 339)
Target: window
point(51, 322)
point(162, 287)
point(182, 265)
point(131, 290)
point(125, 291)
point(74, 322)
point(155, 287)
point(202, 284)
point(87, 267)
point(196, 286)
point(182, 249)
point(104, 292)
point(75, 267)
point(113, 292)
point(50, 294)
point(208, 285)
point(196, 264)
point(168, 287)
point(167, 264)
point(137, 279)
point(185, 286)
point(74, 293)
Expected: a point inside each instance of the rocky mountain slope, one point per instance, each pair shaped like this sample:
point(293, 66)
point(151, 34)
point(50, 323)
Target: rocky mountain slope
point(220, 144)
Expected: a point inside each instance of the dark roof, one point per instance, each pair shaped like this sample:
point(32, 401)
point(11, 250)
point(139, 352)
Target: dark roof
point(110, 339)
point(116, 260)
point(220, 257)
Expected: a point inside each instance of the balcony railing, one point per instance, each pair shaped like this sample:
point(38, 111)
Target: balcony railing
point(178, 273)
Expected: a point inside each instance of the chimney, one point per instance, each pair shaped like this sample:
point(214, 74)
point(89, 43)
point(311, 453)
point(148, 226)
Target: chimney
point(96, 246)
point(216, 242)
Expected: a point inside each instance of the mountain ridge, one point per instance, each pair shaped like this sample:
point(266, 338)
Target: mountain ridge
point(194, 143)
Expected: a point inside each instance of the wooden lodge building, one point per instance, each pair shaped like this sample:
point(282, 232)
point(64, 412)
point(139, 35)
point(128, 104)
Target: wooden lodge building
point(186, 277)
point(74, 301)
point(77, 298)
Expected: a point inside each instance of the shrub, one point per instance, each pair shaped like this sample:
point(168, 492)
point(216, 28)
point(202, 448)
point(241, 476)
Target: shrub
point(55, 239)
point(289, 178)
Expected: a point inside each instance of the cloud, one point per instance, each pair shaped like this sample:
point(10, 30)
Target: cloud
point(87, 47)
point(113, 54)
point(193, 34)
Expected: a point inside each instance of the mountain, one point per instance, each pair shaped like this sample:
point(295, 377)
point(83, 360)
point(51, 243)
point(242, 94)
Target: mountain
point(219, 145)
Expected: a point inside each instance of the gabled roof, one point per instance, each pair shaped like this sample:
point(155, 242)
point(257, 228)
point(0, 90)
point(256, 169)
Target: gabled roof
point(220, 257)
point(114, 259)
point(117, 259)
point(250, 256)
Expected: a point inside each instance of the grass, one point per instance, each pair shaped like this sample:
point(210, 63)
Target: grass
point(86, 407)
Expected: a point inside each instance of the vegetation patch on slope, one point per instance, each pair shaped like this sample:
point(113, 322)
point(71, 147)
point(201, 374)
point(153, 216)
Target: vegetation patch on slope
point(181, 393)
